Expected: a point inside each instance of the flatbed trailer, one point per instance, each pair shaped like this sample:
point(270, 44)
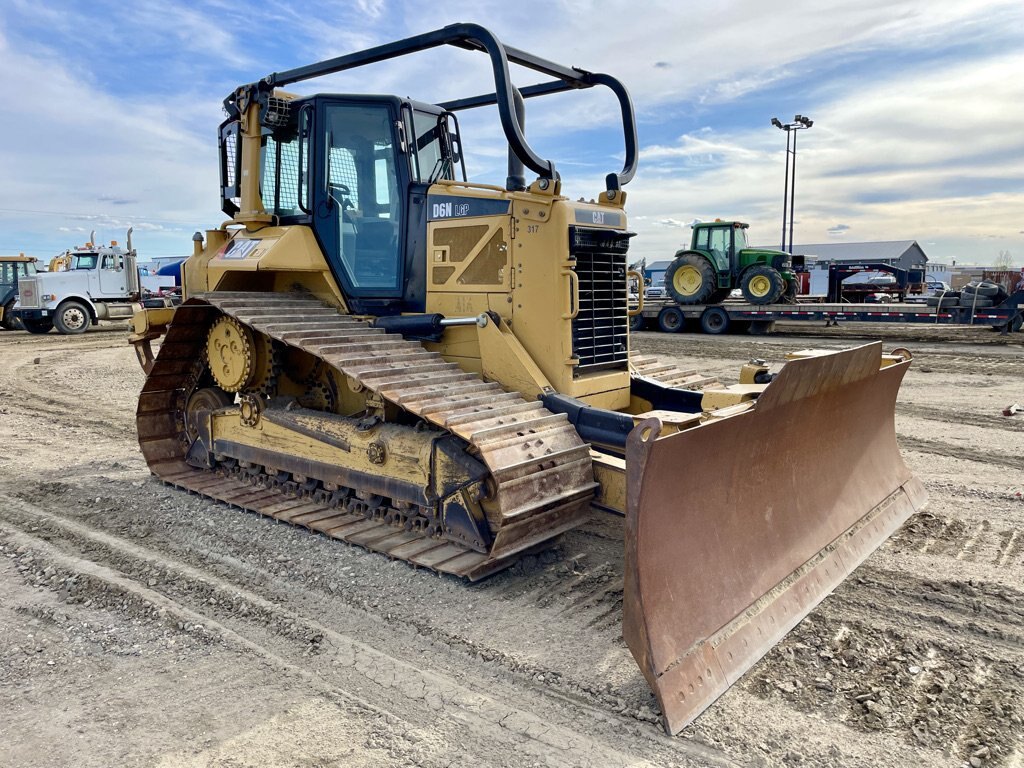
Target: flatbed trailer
point(667, 316)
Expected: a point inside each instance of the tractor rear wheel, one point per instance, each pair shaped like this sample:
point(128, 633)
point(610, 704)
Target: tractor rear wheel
point(691, 279)
point(762, 285)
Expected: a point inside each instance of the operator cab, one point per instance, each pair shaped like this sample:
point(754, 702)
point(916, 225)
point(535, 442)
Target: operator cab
point(356, 169)
point(724, 240)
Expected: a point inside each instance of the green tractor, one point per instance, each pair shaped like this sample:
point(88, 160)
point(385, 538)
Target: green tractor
point(718, 261)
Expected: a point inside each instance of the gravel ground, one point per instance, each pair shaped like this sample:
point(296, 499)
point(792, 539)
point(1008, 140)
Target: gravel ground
point(140, 625)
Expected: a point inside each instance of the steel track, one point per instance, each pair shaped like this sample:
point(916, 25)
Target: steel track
point(540, 467)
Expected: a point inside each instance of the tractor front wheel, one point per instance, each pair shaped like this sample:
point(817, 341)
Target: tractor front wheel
point(691, 279)
point(7, 321)
point(762, 285)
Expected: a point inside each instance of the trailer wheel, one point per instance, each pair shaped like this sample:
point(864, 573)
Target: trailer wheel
point(762, 285)
point(671, 320)
point(1013, 326)
point(72, 317)
point(715, 320)
point(636, 323)
point(37, 326)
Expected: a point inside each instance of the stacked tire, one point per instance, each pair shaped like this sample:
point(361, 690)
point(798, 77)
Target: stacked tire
point(982, 294)
point(944, 300)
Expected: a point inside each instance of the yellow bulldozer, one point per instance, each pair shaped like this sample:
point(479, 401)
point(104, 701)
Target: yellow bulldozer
point(440, 370)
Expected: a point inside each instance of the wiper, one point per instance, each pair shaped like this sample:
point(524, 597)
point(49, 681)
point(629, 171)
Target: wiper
point(441, 168)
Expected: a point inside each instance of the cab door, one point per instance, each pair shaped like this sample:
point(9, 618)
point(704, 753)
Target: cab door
point(359, 205)
point(111, 277)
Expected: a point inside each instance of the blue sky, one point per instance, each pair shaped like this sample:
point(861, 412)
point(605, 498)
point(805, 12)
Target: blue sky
point(111, 110)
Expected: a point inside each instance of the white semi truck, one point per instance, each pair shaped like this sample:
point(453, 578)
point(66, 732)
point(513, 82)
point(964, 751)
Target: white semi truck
point(97, 282)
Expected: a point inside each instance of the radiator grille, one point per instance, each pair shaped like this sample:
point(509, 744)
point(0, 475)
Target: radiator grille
point(600, 332)
point(28, 293)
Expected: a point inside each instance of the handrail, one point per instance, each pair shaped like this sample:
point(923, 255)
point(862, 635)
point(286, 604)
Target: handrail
point(476, 37)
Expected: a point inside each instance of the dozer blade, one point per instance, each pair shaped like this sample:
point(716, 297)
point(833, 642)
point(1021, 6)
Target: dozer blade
point(737, 528)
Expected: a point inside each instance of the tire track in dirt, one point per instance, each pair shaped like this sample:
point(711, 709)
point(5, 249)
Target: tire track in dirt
point(68, 404)
point(940, 448)
point(199, 590)
point(1004, 360)
point(951, 416)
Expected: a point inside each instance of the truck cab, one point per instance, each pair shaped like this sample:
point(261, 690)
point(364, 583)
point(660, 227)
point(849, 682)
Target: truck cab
point(96, 283)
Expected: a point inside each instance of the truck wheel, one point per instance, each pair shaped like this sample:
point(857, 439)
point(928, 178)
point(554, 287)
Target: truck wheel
point(715, 320)
point(690, 279)
point(72, 317)
point(671, 320)
point(762, 285)
point(636, 323)
point(37, 326)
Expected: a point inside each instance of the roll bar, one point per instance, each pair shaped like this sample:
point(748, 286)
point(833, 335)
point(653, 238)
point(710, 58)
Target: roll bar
point(478, 38)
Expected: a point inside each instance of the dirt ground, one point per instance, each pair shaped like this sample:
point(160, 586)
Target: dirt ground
point(140, 625)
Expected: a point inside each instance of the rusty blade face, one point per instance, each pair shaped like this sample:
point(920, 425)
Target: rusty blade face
point(736, 529)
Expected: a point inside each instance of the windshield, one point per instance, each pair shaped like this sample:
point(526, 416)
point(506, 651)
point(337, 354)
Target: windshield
point(84, 261)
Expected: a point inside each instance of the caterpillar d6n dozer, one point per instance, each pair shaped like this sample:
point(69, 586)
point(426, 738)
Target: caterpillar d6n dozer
point(438, 370)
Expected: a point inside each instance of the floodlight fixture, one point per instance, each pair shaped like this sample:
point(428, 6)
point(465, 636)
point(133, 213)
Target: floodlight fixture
point(800, 122)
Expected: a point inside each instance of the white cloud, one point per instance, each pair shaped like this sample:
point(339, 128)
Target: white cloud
point(940, 140)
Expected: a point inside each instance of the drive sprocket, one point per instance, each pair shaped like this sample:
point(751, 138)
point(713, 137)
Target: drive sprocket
point(231, 353)
point(241, 359)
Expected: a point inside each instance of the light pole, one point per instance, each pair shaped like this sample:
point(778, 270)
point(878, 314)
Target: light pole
point(789, 190)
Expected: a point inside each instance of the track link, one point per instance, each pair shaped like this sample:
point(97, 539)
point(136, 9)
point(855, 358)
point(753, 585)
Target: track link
point(540, 468)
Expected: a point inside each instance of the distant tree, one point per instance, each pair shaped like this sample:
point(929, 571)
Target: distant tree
point(1004, 261)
